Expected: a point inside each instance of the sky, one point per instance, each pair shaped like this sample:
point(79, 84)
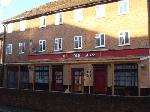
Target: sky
point(10, 8)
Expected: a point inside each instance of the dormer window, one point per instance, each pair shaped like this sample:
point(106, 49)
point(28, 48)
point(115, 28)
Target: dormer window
point(43, 21)
point(78, 15)
point(58, 19)
point(22, 25)
point(123, 7)
point(100, 11)
point(10, 28)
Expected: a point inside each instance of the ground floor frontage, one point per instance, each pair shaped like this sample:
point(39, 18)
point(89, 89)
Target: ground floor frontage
point(124, 72)
point(127, 78)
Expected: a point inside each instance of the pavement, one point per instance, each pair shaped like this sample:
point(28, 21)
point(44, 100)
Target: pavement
point(13, 109)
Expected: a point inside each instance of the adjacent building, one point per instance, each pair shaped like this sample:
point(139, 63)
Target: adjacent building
point(87, 46)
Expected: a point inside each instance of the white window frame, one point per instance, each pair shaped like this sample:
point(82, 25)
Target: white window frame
point(41, 43)
point(100, 11)
point(58, 44)
point(99, 36)
point(22, 25)
point(42, 23)
point(58, 18)
point(21, 47)
point(9, 49)
point(123, 7)
point(10, 28)
point(76, 39)
point(122, 38)
point(78, 15)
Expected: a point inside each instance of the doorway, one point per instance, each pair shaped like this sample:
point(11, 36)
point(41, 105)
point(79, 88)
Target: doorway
point(77, 79)
point(100, 79)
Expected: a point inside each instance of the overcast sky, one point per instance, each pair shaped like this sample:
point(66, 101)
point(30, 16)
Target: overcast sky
point(10, 8)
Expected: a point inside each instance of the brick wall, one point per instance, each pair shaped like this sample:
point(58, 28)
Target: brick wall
point(60, 102)
point(136, 22)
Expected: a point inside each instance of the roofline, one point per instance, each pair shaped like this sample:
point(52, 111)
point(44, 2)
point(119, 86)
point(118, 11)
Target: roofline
point(58, 10)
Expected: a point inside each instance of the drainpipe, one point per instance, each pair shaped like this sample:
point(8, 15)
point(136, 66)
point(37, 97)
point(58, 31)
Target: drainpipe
point(3, 55)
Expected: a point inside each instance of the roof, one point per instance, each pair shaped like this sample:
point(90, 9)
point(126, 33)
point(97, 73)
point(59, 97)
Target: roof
point(54, 7)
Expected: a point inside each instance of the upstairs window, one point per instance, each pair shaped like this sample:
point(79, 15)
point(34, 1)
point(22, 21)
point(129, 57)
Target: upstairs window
point(43, 21)
point(58, 19)
point(100, 40)
point(21, 47)
point(10, 28)
point(100, 11)
point(78, 15)
point(22, 25)
point(42, 45)
point(77, 42)
point(124, 38)
point(123, 6)
point(58, 44)
point(9, 49)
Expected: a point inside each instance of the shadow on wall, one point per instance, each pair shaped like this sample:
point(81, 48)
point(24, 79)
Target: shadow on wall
point(32, 36)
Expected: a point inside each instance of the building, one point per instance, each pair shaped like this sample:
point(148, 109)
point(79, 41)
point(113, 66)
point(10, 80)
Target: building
point(87, 46)
point(1, 58)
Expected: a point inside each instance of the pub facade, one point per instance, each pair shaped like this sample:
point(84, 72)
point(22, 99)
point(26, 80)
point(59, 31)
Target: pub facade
point(80, 46)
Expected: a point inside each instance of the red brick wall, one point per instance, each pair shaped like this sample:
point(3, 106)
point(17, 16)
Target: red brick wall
point(61, 102)
point(136, 22)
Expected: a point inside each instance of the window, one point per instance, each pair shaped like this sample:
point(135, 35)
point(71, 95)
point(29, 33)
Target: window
point(58, 19)
point(21, 47)
point(41, 74)
point(100, 11)
point(100, 40)
point(43, 21)
point(42, 45)
point(123, 6)
point(124, 38)
point(9, 49)
point(22, 25)
point(78, 42)
point(58, 44)
point(78, 15)
point(10, 28)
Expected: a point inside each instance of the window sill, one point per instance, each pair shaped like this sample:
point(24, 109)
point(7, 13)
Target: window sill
point(124, 45)
point(21, 53)
point(57, 50)
point(77, 48)
point(99, 46)
point(42, 26)
point(41, 51)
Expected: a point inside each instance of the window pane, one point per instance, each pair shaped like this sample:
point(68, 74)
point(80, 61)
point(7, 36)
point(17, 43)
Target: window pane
point(126, 37)
point(102, 39)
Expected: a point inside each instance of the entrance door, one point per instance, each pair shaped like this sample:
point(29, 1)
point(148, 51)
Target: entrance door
point(100, 76)
point(78, 79)
point(57, 78)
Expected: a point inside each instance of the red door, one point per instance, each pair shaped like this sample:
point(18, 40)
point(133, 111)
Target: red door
point(100, 80)
point(57, 78)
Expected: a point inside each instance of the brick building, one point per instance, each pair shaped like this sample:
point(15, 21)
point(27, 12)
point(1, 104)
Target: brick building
point(87, 46)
